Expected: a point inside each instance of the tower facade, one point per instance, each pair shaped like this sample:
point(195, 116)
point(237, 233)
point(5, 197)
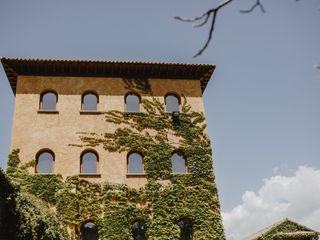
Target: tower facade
point(116, 150)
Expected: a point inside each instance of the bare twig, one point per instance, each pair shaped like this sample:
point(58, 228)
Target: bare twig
point(318, 67)
point(257, 4)
point(204, 18)
point(210, 36)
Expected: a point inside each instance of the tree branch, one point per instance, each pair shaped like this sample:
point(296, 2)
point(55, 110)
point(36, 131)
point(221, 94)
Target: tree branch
point(254, 6)
point(204, 18)
point(318, 67)
point(210, 36)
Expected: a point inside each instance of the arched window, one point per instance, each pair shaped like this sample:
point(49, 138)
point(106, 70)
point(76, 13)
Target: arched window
point(44, 162)
point(138, 230)
point(135, 163)
point(178, 163)
point(89, 102)
point(132, 102)
point(89, 162)
point(172, 103)
point(89, 231)
point(48, 101)
point(185, 229)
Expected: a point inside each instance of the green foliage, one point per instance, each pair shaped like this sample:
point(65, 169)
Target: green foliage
point(289, 230)
point(194, 202)
point(299, 235)
point(8, 218)
point(13, 161)
point(166, 198)
point(24, 216)
point(79, 200)
point(36, 221)
point(122, 206)
point(43, 186)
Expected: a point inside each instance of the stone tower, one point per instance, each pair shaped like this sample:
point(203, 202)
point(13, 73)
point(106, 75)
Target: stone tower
point(116, 150)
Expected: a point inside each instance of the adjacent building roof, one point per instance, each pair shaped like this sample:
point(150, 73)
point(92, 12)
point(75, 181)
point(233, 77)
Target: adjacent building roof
point(284, 229)
point(57, 67)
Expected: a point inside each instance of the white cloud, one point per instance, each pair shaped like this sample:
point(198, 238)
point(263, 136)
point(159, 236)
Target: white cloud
point(296, 197)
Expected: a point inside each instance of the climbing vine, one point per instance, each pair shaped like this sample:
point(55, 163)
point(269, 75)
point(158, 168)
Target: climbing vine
point(289, 230)
point(165, 199)
point(23, 215)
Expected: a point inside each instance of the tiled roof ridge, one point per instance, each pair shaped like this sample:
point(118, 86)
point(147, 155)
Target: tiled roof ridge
point(104, 61)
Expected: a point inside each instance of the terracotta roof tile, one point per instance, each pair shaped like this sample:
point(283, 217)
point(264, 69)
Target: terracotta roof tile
point(99, 68)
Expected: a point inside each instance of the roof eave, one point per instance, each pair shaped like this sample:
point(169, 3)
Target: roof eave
point(51, 67)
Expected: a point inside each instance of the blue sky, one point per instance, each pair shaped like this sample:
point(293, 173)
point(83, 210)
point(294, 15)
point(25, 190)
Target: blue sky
point(262, 104)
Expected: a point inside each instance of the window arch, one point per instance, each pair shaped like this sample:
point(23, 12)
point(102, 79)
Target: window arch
point(172, 103)
point(179, 163)
point(135, 163)
point(138, 230)
point(48, 100)
point(89, 162)
point(89, 231)
point(185, 226)
point(44, 162)
point(90, 101)
point(132, 102)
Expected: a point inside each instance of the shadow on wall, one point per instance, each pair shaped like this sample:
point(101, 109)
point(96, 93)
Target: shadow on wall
point(137, 84)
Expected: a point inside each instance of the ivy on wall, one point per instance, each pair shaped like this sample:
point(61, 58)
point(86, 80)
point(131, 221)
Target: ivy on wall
point(299, 235)
point(165, 199)
point(79, 200)
point(23, 215)
point(288, 230)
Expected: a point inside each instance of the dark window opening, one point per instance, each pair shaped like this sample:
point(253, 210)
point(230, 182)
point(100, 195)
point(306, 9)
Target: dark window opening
point(135, 163)
point(44, 162)
point(172, 103)
point(89, 162)
point(138, 230)
point(185, 229)
point(132, 103)
point(89, 231)
point(89, 102)
point(48, 101)
point(178, 163)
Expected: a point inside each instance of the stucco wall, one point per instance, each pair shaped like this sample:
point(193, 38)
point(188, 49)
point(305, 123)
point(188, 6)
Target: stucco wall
point(33, 131)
